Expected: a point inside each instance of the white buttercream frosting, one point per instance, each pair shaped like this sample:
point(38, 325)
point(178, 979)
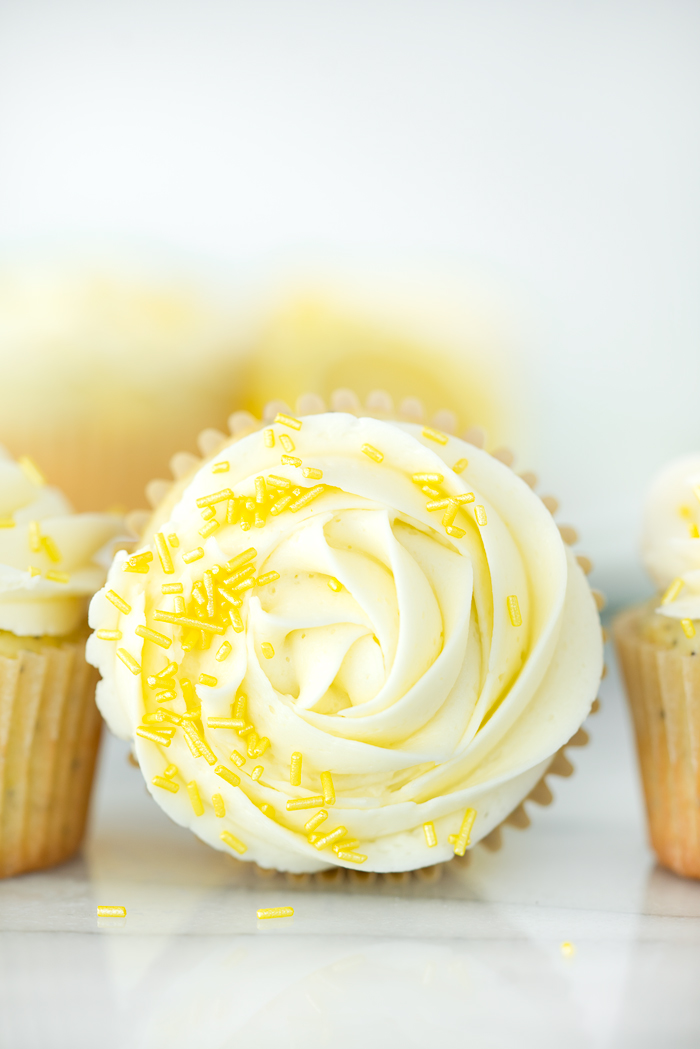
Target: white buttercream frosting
point(671, 537)
point(382, 648)
point(51, 559)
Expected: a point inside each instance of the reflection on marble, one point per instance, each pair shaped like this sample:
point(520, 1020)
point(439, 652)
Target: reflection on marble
point(475, 955)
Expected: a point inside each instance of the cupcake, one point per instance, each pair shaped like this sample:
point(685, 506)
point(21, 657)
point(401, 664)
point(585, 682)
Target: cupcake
point(346, 642)
point(51, 562)
point(659, 650)
point(109, 374)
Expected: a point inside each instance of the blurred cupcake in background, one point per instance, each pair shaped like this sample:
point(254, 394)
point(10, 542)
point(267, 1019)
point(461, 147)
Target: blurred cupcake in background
point(102, 376)
point(411, 336)
point(659, 649)
point(51, 562)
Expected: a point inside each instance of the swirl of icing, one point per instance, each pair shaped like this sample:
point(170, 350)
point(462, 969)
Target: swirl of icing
point(671, 537)
point(346, 641)
point(51, 559)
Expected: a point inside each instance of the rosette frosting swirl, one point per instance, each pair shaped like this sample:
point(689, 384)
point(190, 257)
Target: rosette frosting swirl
point(346, 641)
point(51, 559)
point(671, 539)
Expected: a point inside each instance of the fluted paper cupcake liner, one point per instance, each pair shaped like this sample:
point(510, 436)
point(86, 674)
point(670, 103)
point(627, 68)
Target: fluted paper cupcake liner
point(380, 404)
point(663, 688)
point(49, 735)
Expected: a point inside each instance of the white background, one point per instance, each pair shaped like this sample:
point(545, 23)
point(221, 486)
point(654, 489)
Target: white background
point(551, 148)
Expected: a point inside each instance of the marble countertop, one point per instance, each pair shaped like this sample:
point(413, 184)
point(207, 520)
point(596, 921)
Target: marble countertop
point(475, 954)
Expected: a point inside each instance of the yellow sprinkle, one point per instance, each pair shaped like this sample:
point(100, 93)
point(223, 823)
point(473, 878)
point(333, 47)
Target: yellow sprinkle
point(167, 672)
point(161, 616)
point(437, 504)
point(193, 555)
point(224, 652)
point(228, 775)
point(275, 912)
point(312, 473)
point(346, 845)
point(220, 468)
point(233, 842)
point(307, 497)
point(567, 949)
point(241, 559)
point(267, 650)
point(466, 497)
point(673, 591)
point(335, 584)
point(286, 442)
point(215, 497)
point(327, 788)
point(173, 540)
point(257, 747)
point(288, 420)
point(421, 479)
point(514, 610)
point(154, 636)
point(373, 453)
point(118, 602)
point(315, 821)
point(464, 831)
point(328, 839)
point(207, 679)
point(267, 810)
point(57, 577)
point(34, 537)
point(279, 482)
point(34, 571)
point(209, 529)
point(453, 530)
point(166, 784)
point(268, 577)
point(480, 515)
point(295, 769)
point(170, 770)
point(31, 471)
point(239, 706)
point(435, 435)
point(688, 628)
point(269, 436)
point(196, 801)
point(693, 531)
point(132, 565)
point(460, 466)
point(155, 737)
point(280, 505)
point(111, 912)
point(430, 835)
point(236, 621)
point(109, 635)
point(237, 759)
point(171, 588)
point(290, 460)
point(312, 802)
point(218, 806)
point(352, 857)
point(7, 522)
point(449, 514)
point(257, 772)
point(128, 661)
point(51, 548)
point(166, 562)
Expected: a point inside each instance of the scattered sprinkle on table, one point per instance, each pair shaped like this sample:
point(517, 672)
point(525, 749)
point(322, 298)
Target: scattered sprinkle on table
point(111, 912)
point(276, 912)
point(567, 949)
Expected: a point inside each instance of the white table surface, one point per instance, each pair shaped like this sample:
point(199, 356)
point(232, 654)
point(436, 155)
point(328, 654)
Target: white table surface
point(475, 956)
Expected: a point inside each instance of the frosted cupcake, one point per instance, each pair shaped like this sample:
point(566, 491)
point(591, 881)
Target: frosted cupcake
point(49, 725)
point(659, 651)
point(346, 642)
